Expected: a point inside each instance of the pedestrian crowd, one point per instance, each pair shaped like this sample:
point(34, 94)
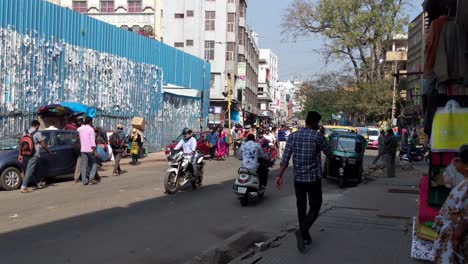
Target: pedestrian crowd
point(92, 147)
point(221, 139)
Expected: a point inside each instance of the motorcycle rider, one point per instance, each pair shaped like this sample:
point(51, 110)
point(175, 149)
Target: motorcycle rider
point(264, 142)
point(189, 145)
point(254, 158)
point(404, 143)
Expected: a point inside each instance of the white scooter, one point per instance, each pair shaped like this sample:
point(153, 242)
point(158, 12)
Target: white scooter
point(247, 185)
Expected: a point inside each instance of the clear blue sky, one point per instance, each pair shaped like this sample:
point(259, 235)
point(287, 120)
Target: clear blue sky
point(296, 60)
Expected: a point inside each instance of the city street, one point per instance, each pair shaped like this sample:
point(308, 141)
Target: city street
point(129, 219)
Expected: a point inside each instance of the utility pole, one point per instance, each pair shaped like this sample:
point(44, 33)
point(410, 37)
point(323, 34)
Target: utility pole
point(229, 83)
point(394, 91)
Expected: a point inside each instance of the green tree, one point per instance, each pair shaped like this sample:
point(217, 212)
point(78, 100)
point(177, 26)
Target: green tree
point(359, 31)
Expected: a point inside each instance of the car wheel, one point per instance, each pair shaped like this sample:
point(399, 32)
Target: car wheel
point(10, 179)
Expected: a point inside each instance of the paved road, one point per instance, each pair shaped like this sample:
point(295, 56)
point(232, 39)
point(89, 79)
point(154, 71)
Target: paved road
point(129, 219)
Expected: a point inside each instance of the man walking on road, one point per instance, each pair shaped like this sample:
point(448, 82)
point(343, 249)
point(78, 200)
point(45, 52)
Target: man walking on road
point(88, 152)
point(281, 140)
point(38, 142)
point(305, 146)
point(389, 153)
point(381, 146)
point(117, 143)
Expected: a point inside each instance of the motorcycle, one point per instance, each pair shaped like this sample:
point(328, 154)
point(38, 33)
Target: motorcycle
point(417, 154)
point(247, 185)
point(181, 171)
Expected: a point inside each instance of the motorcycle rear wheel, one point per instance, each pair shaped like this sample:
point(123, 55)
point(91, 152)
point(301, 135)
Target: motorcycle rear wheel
point(171, 184)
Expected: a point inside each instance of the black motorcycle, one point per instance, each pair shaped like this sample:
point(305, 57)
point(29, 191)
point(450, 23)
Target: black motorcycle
point(417, 154)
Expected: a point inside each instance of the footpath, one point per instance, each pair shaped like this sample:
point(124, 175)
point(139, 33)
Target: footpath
point(370, 223)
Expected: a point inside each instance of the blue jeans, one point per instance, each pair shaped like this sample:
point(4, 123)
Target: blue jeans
point(88, 157)
point(30, 170)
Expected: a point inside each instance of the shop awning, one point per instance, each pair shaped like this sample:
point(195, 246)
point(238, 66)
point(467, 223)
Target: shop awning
point(182, 91)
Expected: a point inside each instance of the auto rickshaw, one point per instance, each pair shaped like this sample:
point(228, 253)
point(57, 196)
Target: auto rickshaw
point(348, 158)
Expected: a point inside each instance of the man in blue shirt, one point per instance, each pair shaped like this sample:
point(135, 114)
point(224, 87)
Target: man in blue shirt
point(305, 146)
point(189, 146)
point(249, 153)
point(282, 140)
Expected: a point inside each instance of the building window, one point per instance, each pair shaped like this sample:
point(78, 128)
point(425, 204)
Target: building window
point(240, 36)
point(189, 13)
point(134, 6)
point(212, 80)
point(210, 17)
point(242, 9)
point(178, 15)
point(136, 29)
point(209, 49)
point(231, 22)
point(260, 92)
point(178, 44)
point(107, 6)
point(189, 42)
point(230, 48)
point(80, 6)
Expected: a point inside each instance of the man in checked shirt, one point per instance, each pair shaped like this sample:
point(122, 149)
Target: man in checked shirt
point(305, 146)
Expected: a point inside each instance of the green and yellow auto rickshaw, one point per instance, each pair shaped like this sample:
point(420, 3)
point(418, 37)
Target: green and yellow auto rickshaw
point(347, 161)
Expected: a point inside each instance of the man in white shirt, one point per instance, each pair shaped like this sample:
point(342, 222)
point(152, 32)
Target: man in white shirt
point(51, 126)
point(189, 146)
point(270, 138)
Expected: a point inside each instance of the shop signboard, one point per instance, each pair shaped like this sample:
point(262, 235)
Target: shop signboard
point(242, 75)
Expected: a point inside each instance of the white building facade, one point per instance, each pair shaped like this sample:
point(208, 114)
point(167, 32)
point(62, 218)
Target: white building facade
point(140, 16)
point(288, 102)
point(216, 30)
point(267, 84)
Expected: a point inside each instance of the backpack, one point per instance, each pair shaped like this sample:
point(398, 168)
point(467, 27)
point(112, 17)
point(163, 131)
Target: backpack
point(27, 146)
point(115, 141)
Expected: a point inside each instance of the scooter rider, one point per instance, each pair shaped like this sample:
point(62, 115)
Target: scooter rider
point(189, 145)
point(252, 156)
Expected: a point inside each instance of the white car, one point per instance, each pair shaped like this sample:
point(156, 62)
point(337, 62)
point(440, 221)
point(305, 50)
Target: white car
point(374, 134)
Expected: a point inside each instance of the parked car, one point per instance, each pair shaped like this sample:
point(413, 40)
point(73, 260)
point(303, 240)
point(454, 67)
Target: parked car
point(61, 162)
point(201, 138)
point(374, 134)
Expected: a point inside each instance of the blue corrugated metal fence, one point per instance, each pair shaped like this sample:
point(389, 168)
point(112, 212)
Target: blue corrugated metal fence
point(49, 54)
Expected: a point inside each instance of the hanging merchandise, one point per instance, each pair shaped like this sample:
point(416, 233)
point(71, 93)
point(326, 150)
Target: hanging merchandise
point(449, 128)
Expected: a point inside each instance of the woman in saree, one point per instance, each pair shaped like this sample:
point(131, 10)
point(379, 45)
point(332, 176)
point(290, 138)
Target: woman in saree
point(452, 222)
point(222, 144)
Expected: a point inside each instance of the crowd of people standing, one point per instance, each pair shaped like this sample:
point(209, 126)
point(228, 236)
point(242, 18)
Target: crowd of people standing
point(221, 139)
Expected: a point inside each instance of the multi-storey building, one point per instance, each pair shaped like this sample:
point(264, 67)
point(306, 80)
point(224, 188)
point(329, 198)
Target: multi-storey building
point(415, 65)
point(247, 91)
point(217, 32)
point(140, 16)
point(289, 103)
point(267, 83)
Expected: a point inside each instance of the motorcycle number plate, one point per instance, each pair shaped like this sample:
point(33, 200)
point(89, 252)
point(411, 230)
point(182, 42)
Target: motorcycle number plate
point(241, 189)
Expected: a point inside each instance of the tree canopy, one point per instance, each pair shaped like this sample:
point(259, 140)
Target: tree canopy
point(359, 31)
